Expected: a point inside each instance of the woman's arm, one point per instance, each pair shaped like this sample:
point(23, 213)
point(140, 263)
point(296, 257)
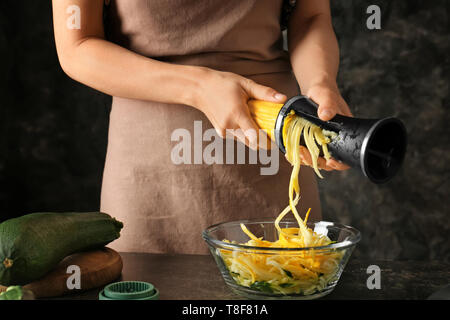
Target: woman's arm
point(314, 54)
point(87, 57)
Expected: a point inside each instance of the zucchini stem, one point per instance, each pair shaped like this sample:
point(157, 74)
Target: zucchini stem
point(8, 263)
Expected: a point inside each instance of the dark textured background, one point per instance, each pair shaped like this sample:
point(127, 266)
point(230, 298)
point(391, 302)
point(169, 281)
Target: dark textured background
point(53, 131)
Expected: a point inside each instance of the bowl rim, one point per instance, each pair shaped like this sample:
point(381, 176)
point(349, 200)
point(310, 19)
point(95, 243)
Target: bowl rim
point(227, 245)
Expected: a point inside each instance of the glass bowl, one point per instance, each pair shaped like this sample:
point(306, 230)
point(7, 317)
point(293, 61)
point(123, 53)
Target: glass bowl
point(280, 273)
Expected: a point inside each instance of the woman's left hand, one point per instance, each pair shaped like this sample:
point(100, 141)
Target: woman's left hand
point(330, 103)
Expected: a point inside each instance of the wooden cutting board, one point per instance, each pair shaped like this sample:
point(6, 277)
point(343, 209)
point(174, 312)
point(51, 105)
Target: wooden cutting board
point(97, 268)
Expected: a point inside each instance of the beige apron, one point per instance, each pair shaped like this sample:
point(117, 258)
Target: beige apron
point(165, 206)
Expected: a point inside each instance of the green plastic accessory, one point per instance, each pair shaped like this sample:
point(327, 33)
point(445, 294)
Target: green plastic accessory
point(129, 290)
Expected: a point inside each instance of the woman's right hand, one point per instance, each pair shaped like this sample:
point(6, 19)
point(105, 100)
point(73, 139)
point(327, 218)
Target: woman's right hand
point(86, 56)
point(223, 97)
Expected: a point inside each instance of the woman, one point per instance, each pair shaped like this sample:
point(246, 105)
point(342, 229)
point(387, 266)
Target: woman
point(170, 63)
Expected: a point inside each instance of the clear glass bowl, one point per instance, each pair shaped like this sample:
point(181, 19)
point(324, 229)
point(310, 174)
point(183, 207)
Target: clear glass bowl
point(280, 273)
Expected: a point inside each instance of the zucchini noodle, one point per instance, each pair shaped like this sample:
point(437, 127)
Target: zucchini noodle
point(303, 272)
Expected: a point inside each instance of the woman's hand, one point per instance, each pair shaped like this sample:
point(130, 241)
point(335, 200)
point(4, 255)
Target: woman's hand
point(330, 103)
point(223, 97)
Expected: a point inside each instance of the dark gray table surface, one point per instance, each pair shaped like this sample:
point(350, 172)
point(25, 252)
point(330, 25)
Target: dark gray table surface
point(196, 277)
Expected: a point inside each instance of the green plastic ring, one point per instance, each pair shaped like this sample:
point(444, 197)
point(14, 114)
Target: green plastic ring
point(129, 290)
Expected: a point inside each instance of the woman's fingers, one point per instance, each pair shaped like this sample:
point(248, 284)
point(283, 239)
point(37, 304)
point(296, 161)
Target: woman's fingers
point(327, 109)
point(329, 100)
point(250, 130)
point(306, 159)
point(345, 110)
point(305, 156)
point(328, 105)
point(260, 92)
point(241, 125)
point(336, 165)
point(322, 164)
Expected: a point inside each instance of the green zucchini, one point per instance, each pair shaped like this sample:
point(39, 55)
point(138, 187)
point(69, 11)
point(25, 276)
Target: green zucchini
point(17, 293)
point(32, 245)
